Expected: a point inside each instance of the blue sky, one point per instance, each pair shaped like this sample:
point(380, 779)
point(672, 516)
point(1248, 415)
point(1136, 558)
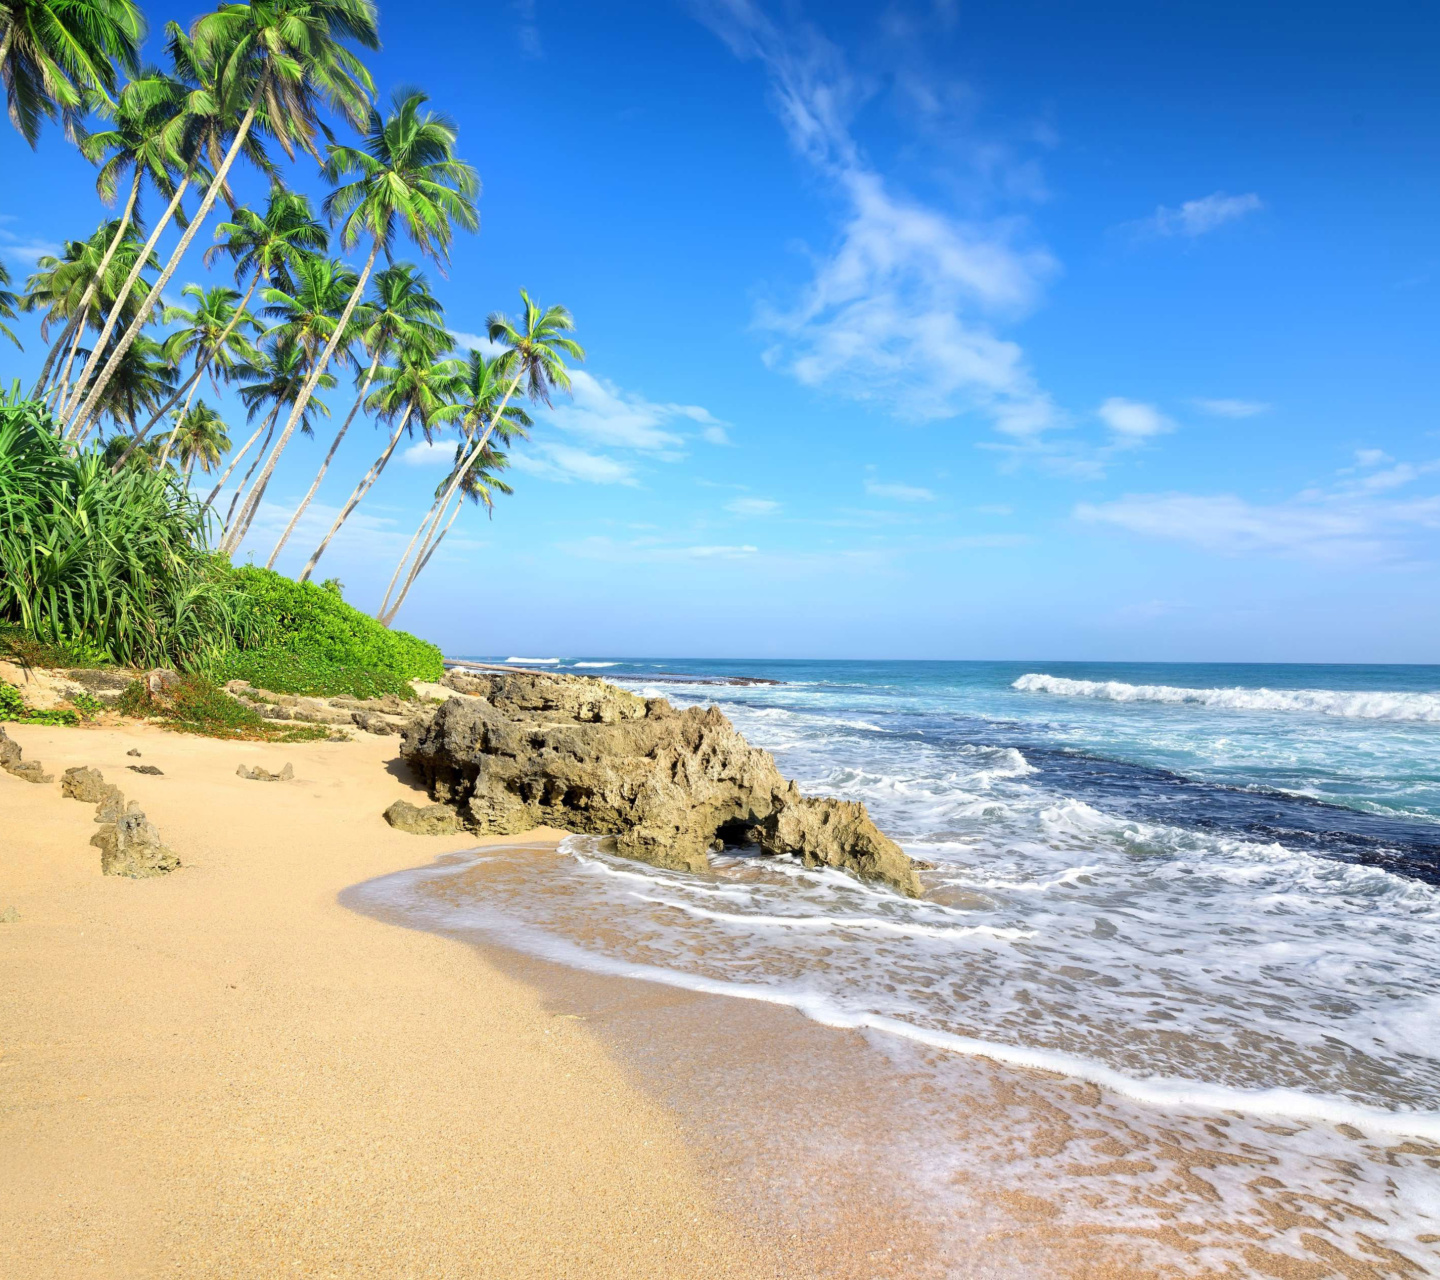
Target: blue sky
point(923, 330)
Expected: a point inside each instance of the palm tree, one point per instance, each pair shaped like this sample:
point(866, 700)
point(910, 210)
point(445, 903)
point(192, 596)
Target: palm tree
point(201, 436)
point(61, 286)
point(8, 302)
point(274, 60)
point(418, 388)
point(406, 173)
point(535, 347)
point(141, 381)
point(56, 54)
point(278, 380)
point(136, 141)
point(401, 308)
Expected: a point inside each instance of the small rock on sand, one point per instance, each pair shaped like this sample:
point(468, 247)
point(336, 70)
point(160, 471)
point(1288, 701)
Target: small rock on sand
point(134, 751)
point(422, 820)
point(9, 916)
point(257, 774)
point(146, 768)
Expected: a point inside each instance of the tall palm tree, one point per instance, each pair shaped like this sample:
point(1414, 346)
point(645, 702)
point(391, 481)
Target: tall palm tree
point(535, 345)
point(269, 247)
point(214, 336)
point(142, 380)
point(201, 436)
point(401, 308)
point(407, 174)
point(272, 60)
point(8, 302)
point(71, 289)
point(57, 54)
point(278, 380)
point(418, 389)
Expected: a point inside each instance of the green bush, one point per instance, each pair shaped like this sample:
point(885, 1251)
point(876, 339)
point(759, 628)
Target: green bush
point(284, 671)
point(197, 704)
point(13, 708)
point(317, 624)
point(114, 564)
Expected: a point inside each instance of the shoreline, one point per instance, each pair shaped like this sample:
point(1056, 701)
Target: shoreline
point(224, 1072)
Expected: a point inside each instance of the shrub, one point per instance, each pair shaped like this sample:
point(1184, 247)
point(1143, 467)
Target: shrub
point(197, 704)
point(316, 623)
point(115, 563)
point(284, 671)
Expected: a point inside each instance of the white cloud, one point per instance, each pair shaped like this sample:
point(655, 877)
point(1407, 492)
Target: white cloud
point(429, 453)
point(1371, 457)
point(1132, 420)
point(714, 435)
point(1349, 523)
point(1196, 217)
point(752, 507)
point(898, 492)
point(606, 415)
point(650, 551)
point(527, 30)
point(898, 314)
point(552, 461)
point(27, 251)
point(1231, 408)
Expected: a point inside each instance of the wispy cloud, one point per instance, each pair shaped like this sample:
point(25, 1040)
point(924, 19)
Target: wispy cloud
point(1372, 457)
point(652, 551)
point(527, 29)
point(752, 506)
point(898, 492)
point(1356, 521)
point(429, 453)
point(26, 250)
point(1197, 217)
point(552, 461)
point(899, 313)
point(1231, 408)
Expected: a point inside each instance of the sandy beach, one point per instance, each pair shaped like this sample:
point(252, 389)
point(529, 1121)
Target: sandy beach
point(224, 1072)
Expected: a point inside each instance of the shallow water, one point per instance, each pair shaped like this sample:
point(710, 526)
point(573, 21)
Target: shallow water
point(1207, 893)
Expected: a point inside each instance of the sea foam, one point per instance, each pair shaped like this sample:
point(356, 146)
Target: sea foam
point(1349, 703)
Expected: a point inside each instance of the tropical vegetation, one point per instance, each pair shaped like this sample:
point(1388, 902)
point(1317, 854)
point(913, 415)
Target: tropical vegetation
point(125, 494)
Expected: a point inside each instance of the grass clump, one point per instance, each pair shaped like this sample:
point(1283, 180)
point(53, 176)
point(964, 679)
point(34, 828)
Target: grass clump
point(196, 704)
point(13, 709)
point(25, 650)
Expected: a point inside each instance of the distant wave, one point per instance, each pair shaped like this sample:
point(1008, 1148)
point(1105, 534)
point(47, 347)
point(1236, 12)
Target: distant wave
point(1354, 704)
point(596, 664)
point(536, 662)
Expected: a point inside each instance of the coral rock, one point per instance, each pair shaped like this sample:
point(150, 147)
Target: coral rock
point(257, 774)
point(422, 820)
point(130, 846)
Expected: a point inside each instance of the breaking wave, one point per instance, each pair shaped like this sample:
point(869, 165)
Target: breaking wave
point(1348, 703)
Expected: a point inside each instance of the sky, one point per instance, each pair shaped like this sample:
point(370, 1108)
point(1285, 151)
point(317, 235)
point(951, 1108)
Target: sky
point(922, 329)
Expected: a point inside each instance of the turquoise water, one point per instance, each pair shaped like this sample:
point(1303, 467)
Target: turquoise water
point(1209, 890)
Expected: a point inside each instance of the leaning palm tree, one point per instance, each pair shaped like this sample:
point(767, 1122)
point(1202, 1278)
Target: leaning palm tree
point(56, 55)
point(200, 436)
point(407, 174)
point(271, 60)
point(401, 309)
point(535, 349)
point(8, 303)
point(72, 291)
point(476, 481)
point(137, 142)
point(142, 381)
point(419, 389)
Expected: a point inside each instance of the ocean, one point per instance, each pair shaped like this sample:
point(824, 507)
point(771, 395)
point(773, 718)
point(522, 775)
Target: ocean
point(1206, 890)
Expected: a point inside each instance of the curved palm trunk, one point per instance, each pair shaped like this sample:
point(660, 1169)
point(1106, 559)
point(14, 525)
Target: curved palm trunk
point(367, 482)
point(298, 411)
point(264, 444)
point(175, 431)
point(425, 560)
point(142, 316)
point(325, 466)
point(432, 521)
point(234, 462)
point(118, 306)
point(77, 321)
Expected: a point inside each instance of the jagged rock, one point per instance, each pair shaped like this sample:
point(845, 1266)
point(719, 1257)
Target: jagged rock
point(161, 683)
point(422, 820)
point(130, 846)
point(146, 768)
point(87, 785)
point(11, 762)
point(527, 750)
point(132, 752)
point(257, 774)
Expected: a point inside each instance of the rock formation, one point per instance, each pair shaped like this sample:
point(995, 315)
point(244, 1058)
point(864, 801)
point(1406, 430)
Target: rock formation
point(257, 774)
point(128, 842)
point(526, 750)
point(422, 820)
point(11, 762)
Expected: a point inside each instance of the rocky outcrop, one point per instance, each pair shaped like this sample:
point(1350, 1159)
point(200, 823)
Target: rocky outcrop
point(257, 774)
point(386, 715)
point(527, 750)
point(11, 761)
point(128, 842)
point(422, 820)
